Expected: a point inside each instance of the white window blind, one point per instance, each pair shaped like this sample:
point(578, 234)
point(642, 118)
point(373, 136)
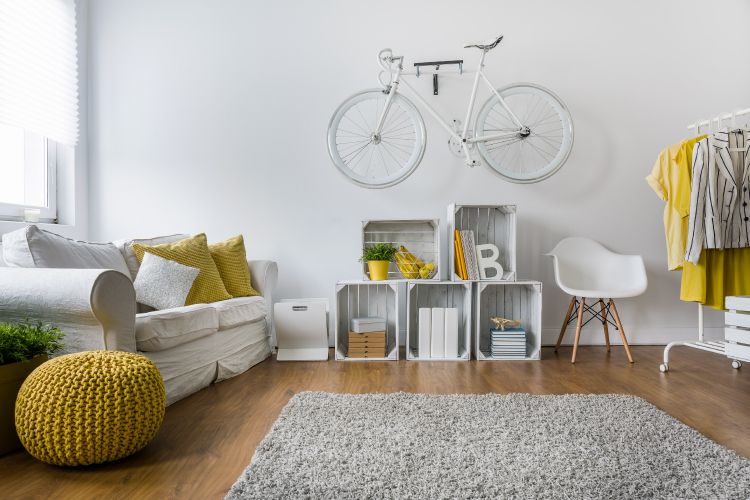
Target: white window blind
point(38, 68)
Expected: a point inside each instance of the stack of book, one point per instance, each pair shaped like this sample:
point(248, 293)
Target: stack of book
point(367, 338)
point(508, 344)
point(466, 263)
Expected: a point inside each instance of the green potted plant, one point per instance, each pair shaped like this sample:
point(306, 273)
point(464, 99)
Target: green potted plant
point(378, 258)
point(23, 347)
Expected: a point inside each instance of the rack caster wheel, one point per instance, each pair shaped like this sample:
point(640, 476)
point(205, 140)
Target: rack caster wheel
point(664, 368)
point(736, 364)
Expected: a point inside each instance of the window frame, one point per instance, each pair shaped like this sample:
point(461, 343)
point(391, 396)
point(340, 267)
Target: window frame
point(48, 214)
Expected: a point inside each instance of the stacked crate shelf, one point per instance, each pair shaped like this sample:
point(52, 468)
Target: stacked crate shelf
point(438, 294)
point(356, 299)
point(495, 224)
point(520, 300)
point(420, 236)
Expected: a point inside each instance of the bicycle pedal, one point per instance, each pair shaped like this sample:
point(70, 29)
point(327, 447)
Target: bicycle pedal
point(472, 163)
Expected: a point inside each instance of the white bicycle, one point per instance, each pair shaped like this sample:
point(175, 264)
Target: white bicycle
point(377, 138)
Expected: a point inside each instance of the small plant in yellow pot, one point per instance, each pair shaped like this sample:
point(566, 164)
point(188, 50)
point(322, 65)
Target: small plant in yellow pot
point(23, 347)
point(379, 257)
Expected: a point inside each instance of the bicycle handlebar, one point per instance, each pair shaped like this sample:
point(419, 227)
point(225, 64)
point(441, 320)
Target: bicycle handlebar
point(386, 59)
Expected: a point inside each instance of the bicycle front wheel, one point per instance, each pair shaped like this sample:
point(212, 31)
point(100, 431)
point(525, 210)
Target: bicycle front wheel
point(375, 160)
point(537, 152)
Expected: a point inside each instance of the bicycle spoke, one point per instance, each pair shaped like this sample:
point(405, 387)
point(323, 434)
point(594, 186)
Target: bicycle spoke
point(364, 120)
point(354, 152)
point(545, 155)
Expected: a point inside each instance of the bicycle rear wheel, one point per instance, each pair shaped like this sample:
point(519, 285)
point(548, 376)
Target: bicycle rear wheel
point(376, 160)
point(525, 157)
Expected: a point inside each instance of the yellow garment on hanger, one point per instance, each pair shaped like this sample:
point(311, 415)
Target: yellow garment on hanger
point(670, 180)
point(717, 274)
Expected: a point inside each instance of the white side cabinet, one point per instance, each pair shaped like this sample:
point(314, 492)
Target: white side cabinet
point(359, 298)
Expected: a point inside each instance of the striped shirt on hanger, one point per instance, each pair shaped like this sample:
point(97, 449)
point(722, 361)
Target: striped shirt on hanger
point(720, 196)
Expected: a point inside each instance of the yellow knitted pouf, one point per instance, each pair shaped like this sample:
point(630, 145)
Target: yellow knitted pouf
point(90, 407)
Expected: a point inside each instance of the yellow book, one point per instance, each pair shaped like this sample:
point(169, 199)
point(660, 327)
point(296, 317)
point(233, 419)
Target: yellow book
point(460, 258)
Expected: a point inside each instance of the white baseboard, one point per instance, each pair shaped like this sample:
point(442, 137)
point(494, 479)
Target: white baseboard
point(636, 336)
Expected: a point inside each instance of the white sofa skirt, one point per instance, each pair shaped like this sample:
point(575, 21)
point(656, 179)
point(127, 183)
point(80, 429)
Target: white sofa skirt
point(219, 356)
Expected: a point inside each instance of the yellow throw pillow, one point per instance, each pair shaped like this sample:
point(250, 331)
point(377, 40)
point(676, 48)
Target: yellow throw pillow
point(192, 252)
point(231, 260)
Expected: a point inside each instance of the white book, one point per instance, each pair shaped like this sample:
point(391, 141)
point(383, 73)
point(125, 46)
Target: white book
point(425, 330)
point(451, 332)
point(437, 336)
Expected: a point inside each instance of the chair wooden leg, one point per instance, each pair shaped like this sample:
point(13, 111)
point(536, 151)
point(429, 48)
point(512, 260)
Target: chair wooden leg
point(565, 323)
point(579, 323)
point(604, 322)
point(620, 329)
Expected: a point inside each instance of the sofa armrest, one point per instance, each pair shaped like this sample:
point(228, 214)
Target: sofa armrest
point(94, 307)
point(264, 275)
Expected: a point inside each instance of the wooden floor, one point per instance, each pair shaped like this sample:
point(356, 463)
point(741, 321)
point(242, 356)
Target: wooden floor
point(208, 439)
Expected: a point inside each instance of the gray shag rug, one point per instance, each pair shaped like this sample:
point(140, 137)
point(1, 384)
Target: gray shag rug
point(486, 446)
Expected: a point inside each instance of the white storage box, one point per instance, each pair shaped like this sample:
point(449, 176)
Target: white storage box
point(431, 294)
point(366, 299)
point(301, 329)
point(737, 330)
point(367, 324)
point(494, 224)
point(420, 236)
point(518, 300)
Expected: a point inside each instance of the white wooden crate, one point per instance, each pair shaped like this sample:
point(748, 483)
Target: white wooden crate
point(366, 298)
point(438, 294)
point(737, 330)
point(519, 300)
point(495, 224)
point(420, 236)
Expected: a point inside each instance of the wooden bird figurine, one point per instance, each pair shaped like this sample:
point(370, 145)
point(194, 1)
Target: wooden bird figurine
point(503, 323)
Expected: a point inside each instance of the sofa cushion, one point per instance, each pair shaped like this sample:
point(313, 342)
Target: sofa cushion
point(193, 252)
point(127, 253)
point(162, 283)
point(240, 311)
point(231, 261)
point(160, 330)
point(34, 247)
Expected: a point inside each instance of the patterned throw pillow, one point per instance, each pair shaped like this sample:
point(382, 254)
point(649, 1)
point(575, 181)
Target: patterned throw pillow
point(192, 252)
point(163, 284)
point(231, 260)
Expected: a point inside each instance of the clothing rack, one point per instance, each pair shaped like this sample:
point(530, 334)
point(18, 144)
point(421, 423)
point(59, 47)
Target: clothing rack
point(715, 346)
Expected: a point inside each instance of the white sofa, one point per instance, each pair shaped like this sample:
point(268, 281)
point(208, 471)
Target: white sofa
point(193, 346)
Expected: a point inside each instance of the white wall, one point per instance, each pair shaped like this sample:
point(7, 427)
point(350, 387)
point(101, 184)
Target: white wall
point(211, 116)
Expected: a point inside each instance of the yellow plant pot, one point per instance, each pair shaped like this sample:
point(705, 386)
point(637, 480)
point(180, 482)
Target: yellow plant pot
point(378, 269)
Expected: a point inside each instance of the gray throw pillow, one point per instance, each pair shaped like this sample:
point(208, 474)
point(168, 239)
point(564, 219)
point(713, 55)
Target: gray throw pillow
point(34, 247)
point(162, 283)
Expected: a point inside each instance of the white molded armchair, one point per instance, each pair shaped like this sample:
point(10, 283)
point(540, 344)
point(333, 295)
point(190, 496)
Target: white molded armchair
point(584, 268)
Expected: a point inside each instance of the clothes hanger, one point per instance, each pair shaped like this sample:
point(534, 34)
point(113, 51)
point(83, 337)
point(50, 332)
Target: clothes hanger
point(733, 129)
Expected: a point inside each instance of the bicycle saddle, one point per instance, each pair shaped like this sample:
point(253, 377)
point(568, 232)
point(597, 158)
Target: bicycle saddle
point(485, 45)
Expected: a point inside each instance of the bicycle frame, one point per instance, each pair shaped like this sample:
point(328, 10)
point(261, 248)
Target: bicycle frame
point(462, 138)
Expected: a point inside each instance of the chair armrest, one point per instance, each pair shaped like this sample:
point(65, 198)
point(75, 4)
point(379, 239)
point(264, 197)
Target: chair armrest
point(264, 275)
point(94, 307)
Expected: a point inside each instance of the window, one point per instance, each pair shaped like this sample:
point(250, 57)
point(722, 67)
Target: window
point(38, 101)
point(27, 174)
